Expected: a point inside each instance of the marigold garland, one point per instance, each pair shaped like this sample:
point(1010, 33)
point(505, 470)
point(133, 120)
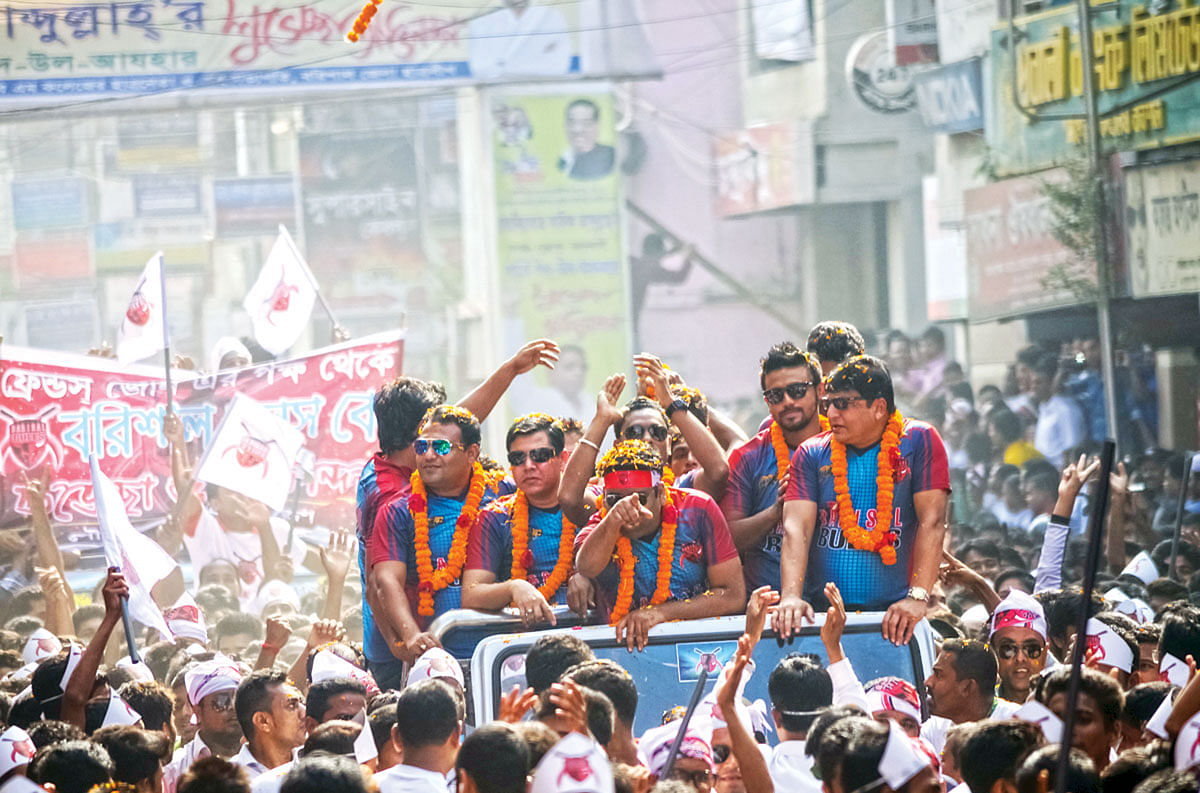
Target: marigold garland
point(522, 557)
point(431, 580)
point(824, 422)
point(783, 456)
point(881, 539)
point(668, 476)
point(362, 21)
point(626, 561)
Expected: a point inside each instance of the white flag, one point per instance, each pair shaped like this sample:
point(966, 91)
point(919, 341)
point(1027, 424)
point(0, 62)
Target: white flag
point(252, 453)
point(122, 544)
point(281, 300)
point(144, 328)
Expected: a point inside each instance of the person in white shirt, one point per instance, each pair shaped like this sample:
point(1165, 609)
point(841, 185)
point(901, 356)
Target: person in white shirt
point(799, 687)
point(428, 727)
point(270, 711)
point(332, 737)
point(962, 688)
point(211, 687)
point(1060, 425)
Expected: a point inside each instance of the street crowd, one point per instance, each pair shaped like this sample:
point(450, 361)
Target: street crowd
point(879, 484)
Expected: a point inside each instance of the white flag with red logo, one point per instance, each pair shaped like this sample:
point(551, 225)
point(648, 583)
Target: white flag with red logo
point(144, 327)
point(252, 453)
point(281, 301)
point(123, 544)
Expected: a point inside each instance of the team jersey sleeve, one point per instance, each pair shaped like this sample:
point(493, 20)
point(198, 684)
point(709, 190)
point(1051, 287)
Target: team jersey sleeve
point(931, 468)
point(392, 535)
point(719, 542)
point(803, 480)
point(483, 546)
point(739, 490)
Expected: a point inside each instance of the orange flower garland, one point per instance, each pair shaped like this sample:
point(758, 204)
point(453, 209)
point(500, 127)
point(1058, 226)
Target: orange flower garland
point(522, 558)
point(362, 21)
point(668, 476)
point(881, 539)
point(824, 422)
point(783, 457)
point(418, 506)
point(626, 561)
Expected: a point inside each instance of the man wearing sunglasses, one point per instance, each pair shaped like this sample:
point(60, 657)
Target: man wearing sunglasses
point(1018, 638)
point(753, 502)
point(211, 691)
point(446, 449)
point(535, 452)
point(706, 574)
point(648, 420)
point(860, 405)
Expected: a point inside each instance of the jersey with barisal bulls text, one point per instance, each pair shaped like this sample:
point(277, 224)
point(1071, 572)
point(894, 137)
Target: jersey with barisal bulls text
point(702, 539)
point(863, 579)
point(393, 541)
point(491, 543)
point(753, 487)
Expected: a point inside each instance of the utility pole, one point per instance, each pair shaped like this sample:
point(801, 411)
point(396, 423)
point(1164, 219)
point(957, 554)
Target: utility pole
point(1097, 171)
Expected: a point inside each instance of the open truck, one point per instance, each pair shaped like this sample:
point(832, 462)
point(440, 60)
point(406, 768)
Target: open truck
point(492, 648)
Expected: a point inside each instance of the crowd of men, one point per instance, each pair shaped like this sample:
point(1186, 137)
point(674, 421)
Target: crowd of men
point(656, 508)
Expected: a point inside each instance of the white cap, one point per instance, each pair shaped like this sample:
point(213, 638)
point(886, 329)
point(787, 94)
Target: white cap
point(73, 659)
point(1035, 712)
point(273, 591)
point(1136, 609)
point(1157, 723)
point(364, 745)
point(655, 745)
point(1187, 745)
point(328, 665)
point(1142, 567)
point(119, 712)
point(186, 620)
point(41, 644)
point(1173, 670)
point(1110, 649)
point(576, 764)
point(1018, 610)
point(210, 677)
point(224, 346)
point(16, 749)
point(894, 693)
point(902, 759)
point(974, 618)
point(139, 671)
point(434, 663)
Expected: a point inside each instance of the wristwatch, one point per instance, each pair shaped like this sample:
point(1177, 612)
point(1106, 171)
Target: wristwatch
point(918, 593)
point(677, 404)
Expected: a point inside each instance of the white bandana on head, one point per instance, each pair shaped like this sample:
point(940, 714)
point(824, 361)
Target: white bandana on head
point(1019, 610)
point(119, 712)
point(1143, 568)
point(210, 677)
point(1035, 712)
point(1108, 648)
point(434, 663)
point(328, 664)
point(1173, 670)
point(1187, 745)
point(41, 644)
point(16, 749)
point(576, 764)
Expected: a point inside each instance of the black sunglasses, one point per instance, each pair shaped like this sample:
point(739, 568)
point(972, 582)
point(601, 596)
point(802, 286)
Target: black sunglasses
point(542, 455)
point(794, 390)
point(611, 499)
point(1032, 650)
point(635, 432)
point(841, 403)
point(721, 752)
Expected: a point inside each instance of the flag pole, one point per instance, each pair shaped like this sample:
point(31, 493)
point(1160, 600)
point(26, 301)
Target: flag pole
point(162, 282)
point(126, 620)
point(1185, 479)
point(311, 278)
point(697, 692)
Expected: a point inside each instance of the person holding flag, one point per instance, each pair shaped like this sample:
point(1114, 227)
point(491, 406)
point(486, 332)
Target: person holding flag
point(143, 329)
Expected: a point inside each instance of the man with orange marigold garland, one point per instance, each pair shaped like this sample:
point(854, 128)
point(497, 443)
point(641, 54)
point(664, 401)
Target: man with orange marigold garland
point(656, 553)
point(865, 507)
point(758, 469)
point(522, 549)
point(418, 548)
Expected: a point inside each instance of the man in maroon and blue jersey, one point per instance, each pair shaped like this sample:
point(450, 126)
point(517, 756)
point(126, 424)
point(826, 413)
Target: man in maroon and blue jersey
point(860, 403)
point(753, 502)
point(535, 452)
point(705, 575)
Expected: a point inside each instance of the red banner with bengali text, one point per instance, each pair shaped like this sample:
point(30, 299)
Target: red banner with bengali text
point(56, 409)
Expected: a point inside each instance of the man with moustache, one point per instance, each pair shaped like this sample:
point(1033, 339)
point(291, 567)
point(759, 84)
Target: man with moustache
point(525, 532)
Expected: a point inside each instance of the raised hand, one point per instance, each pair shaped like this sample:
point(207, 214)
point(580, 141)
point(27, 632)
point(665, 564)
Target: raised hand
point(653, 379)
point(759, 606)
point(114, 590)
point(570, 706)
point(324, 632)
point(278, 632)
point(173, 430)
point(539, 352)
point(335, 557)
point(835, 623)
point(629, 512)
point(1076, 475)
point(515, 704)
point(608, 401)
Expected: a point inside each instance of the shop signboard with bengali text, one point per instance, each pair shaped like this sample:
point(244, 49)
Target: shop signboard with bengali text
point(1012, 254)
point(59, 51)
point(1162, 206)
point(1145, 66)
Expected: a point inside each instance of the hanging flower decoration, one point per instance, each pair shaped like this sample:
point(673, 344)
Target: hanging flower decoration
point(430, 580)
point(362, 21)
point(783, 457)
point(881, 539)
point(522, 557)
